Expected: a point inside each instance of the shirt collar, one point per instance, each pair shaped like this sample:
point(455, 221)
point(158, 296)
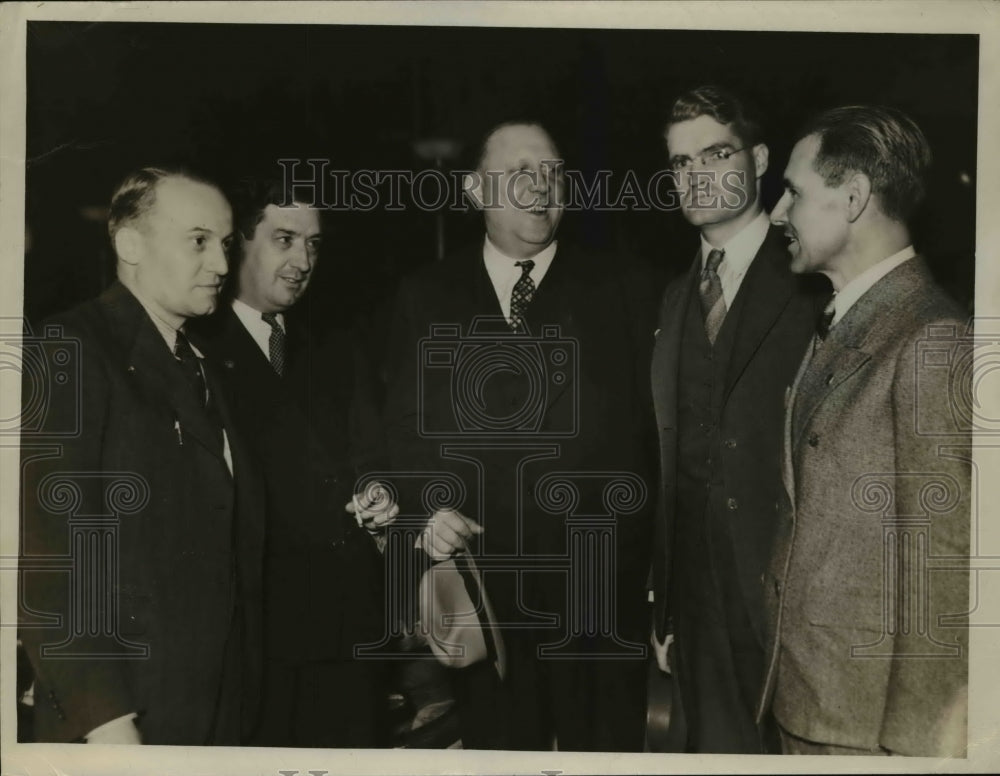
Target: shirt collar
point(502, 268)
point(858, 287)
point(742, 246)
point(168, 332)
point(251, 317)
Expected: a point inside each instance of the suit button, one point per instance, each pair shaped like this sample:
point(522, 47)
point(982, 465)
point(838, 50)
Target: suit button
point(731, 444)
point(829, 379)
point(732, 504)
point(814, 440)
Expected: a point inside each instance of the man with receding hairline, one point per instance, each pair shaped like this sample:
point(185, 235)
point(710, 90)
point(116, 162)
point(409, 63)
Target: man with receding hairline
point(868, 653)
point(163, 647)
point(579, 691)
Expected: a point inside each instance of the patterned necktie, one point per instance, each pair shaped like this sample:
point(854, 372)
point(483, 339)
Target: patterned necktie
point(713, 304)
point(192, 368)
point(276, 342)
point(520, 297)
point(826, 319)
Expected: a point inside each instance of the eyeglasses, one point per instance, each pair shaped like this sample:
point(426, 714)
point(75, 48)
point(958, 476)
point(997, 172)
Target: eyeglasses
point(708, 158)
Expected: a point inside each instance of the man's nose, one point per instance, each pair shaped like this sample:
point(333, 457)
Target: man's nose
point(216, 261)
point(780, 212)
point(299, 258)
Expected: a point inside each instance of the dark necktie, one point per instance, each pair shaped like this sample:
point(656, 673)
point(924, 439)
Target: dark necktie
point(826, 319)
point(191, 365)
point(521, 295)
point(276, 342)
point(713, 304)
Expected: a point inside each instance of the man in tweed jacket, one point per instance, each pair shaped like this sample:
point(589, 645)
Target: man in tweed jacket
point(868, 587)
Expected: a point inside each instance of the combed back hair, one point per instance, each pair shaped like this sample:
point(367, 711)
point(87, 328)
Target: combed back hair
point(251, 195)
point(524, 122)
point(723, 106)
point(883, 143)
point(136, 194)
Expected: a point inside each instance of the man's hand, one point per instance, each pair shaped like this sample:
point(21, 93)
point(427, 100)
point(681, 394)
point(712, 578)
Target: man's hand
point(118, 731)
point(660, 650)
point(446, 533)
point(374, 509)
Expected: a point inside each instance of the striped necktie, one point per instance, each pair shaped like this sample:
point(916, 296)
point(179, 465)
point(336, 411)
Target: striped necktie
point(713, 304)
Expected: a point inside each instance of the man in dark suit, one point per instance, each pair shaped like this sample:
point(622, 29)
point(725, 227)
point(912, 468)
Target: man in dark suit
point(868, 649)
point(306, 405)
point(515, 366)
point(138, 483)
point(731, 332)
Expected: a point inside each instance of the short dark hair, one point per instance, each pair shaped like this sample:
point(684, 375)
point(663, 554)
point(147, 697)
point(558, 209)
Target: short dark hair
point(883, 143)
point(250, 197)
point(723, 106)
point(136, 194)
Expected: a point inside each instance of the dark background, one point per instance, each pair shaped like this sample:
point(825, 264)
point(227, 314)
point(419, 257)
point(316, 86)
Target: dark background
point(105, 98)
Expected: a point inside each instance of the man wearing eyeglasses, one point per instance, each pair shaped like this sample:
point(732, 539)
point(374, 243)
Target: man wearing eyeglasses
point(732, 331)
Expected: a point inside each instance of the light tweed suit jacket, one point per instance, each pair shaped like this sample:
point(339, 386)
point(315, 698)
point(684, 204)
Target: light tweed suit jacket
point(867, 591)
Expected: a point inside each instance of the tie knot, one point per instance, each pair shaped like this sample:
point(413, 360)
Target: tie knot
point(526, 266)
point(271, 319)
point(715, 257)
point(182, 347)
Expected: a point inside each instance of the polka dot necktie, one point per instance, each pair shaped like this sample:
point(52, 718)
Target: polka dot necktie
point(275, 343)
point(520, 297)
point(713, 304)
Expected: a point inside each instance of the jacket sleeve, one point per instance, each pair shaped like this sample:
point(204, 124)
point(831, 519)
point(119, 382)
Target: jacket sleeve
point(925, 711)
point(79, 683)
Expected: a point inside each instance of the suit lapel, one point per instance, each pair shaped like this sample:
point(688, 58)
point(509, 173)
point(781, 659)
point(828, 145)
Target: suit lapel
point(667, 348)
point(852, 341)
point(553, 304)
point(152, 365)
point(766, 291)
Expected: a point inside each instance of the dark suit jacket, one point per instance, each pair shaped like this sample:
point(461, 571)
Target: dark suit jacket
point(317, 433)
point(183, 543)
point(510, 418)
point(867, 648)
point(777, 321)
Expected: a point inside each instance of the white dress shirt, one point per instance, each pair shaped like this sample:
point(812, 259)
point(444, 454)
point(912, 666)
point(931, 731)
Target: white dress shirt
point(740, 250)
point(258, 328)
point(857, 288)
point(504, 272)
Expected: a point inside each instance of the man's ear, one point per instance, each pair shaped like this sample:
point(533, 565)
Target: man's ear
point(472, 185)
point(859, 191)
point(128, 245)
point(760, 157)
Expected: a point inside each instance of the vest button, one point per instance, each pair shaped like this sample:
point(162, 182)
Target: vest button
point(731, 444)
point(777, 587)
point(814, 440)
point(732, 504)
